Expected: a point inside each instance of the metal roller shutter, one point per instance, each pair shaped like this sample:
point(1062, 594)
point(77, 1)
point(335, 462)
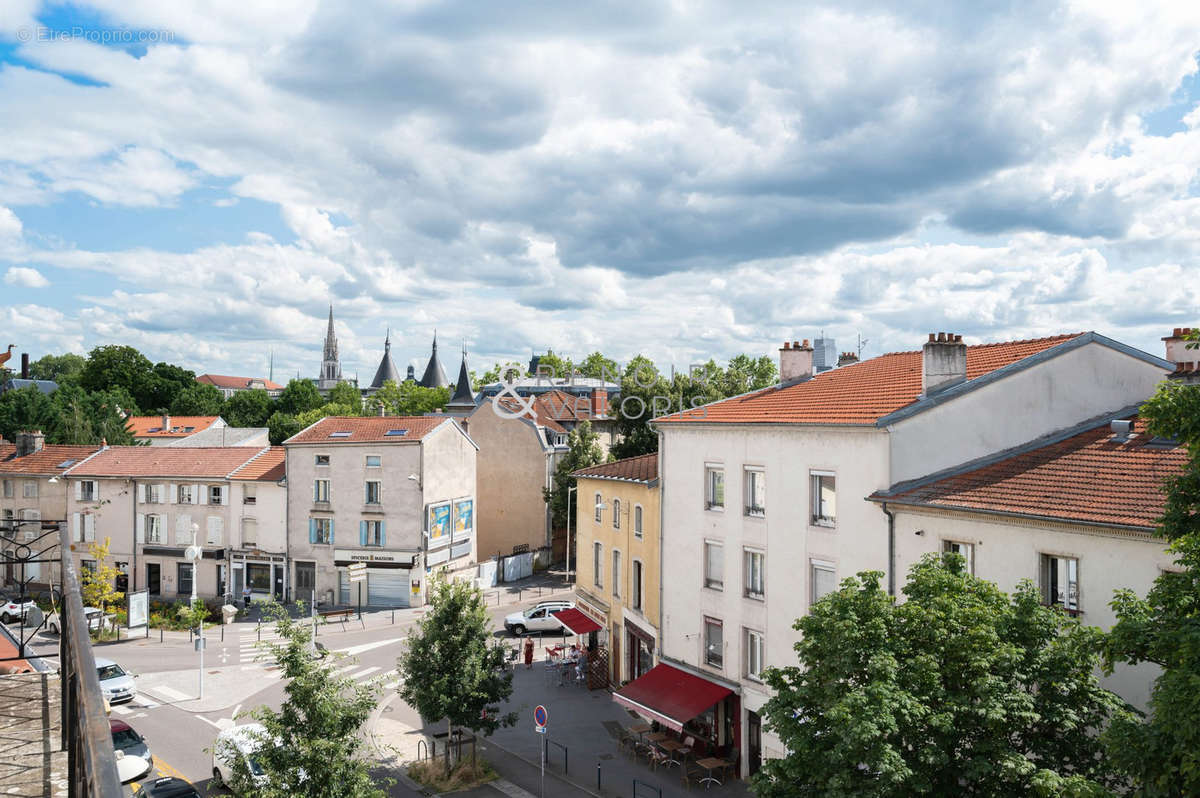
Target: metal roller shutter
point(387, 587)
point(343, 588)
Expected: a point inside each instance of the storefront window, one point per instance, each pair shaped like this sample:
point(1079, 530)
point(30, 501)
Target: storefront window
point(260, 577)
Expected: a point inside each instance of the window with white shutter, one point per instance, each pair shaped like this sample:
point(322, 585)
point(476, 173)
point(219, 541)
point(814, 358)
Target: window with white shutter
point(215, 528)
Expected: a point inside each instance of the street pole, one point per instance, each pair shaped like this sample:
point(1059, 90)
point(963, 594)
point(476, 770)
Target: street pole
point(542, 777)
point(570, 490)
point(193, 554)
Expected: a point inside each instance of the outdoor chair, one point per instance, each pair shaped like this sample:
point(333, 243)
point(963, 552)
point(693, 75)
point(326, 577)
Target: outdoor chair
point(656, 756)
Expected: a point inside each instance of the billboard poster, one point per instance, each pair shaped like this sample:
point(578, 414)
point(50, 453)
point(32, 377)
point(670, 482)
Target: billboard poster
point(464, 517)
point(137, 609)
point(439, 523)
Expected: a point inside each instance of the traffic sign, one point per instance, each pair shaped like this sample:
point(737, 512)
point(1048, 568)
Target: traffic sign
point(358, 577)
point(356, 566)
point(540, 716)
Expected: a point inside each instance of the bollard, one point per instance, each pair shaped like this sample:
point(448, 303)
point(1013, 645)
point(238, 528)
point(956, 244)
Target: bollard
point(598, 788)
point(539, 591)
point(189, 635)
point(160, 634)
point(222, 633)
point(260, 633)
point(393, 617)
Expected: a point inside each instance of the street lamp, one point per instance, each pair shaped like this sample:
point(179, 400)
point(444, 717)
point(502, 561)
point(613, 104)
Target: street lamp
point(194, 553)
point(570, 490)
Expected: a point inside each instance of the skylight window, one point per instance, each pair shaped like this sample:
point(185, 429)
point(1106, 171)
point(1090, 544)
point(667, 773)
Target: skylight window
point(66, 464)
point(396, 433)
point(340, 434)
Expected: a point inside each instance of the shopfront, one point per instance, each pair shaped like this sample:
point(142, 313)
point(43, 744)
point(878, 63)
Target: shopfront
point(265, 572)
point(639, 650)
point(389, 582)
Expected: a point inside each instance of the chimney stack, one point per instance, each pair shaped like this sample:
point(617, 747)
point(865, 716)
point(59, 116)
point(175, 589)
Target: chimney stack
point(30, 442)
point(166, 423)
point(599, 403)
point(795, 362)
point(1187, 361)
point(24, 365)
point(846, 358)
point(944, 363)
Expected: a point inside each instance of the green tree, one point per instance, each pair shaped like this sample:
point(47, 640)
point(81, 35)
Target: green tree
point(281, 426)
point(407, 399)
point(97, 586)
point(347, 395)
point(198, 399)
point(298, 396)
point(247, 409)
point(1161, 752)
point(312, 745)
point(450, 668)
point(510, 370)
point(552, 365)
point(645, 393)
point(746, 373)
point(60, 368)
point(599, 367)
point(25, 409)
point(958, 690)
point(583, 450)
point(310, 417)
point(113, 366)
point(166, 384)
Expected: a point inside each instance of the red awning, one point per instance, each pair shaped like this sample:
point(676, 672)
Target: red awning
point(576, 622)
point(670, 696)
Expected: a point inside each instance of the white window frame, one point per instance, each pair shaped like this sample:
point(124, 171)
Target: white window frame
point(217, 492)
point(249, 493)
point(1065, 598)
point(249, 523)
point(321, 491)
point(186, 493)
point(952, 546)
point(815, 565)
point(378, 491)
point(616, 513)
point(9, 491)
point(324, 526)
point(598, 564)
point(321, 460)
point(712, 660)
point(754, 645)
point(817, 509)
point(616, 573)
point(378, 458)
point(637, 520)
point(599, 514)
point(714, 581)
point(153, 524)
point(637, 586)
point(29, 489)
point(88, 490)
point(754, 480)
point(711, 472)
point(374, 532)
point(754, 563)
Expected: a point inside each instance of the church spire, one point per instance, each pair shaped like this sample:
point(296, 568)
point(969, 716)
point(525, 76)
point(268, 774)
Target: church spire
point(463, 396)
point(435, 375)
point(331, 367)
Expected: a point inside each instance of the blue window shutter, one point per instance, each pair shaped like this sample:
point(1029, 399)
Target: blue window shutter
point(331, 530)
point(362, 533)
point(383, 533)
point(312, 530)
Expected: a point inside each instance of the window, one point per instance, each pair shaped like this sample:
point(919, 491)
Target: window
point(374, 461)
point(154, 529)
point(216, 494)
point(616, 573)
point(249, 493)
point(637, 585)
point(306, 577)
point(187, 494)
point(87, 490)
point(321, 490)
point(249, 532)
point(714, 566)
point(321, 530)
point(754, 573)
point(184, 586)
point(153, 494)
point(967, 550)
point(29, 489)
point(374, 489)
point(597, 565)
point(88, 565)
point(373, 531)
point(322, 460)
point(824, 579)
point(824, 498)
point(754, 655)
point(714, 646)
point(714, 488)
point(8, 488)
point(1060, 582)
point(599, 509)
point(616, 513)
point(756, 493)
point(637, 520)
point(215, 528)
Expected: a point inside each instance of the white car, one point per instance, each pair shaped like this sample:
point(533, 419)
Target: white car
point(11, 610)
point(238, 744)
point(537, 618)
point(115, 683)
point(94, 618)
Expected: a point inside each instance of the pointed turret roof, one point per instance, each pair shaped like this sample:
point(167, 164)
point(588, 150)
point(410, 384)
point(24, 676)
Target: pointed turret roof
point(463, 397)
point(435, 375)
point(387, 368)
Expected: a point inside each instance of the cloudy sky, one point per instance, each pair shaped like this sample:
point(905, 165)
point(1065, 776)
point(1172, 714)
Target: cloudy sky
point(684, 179)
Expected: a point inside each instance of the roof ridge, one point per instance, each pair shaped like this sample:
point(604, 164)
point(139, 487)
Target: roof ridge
point(253, 457)
point(1014, 342)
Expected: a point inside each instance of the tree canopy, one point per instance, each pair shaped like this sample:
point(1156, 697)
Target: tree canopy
point(198, 399)
point(958, 690)
point(247, 409)
point(583, 450)
point(299, 396)
point(407, 399)
point(60, 368)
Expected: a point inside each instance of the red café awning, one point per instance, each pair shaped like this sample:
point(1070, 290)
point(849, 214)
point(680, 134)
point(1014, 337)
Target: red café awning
point(670, 696)
point(576, 622)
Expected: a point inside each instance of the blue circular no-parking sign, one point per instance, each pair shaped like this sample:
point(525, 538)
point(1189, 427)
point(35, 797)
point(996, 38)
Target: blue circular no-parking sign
point(540, 716)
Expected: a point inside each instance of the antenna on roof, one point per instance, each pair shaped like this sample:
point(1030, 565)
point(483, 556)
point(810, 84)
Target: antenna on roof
point(861, 343)
point(271, 367)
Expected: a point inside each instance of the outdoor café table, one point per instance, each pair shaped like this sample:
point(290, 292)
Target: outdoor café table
point(671, 747)
point(710, 764)
point(640, 728)
point(657, 737)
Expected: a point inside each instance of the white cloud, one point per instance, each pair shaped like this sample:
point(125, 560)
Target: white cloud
point(26, 277)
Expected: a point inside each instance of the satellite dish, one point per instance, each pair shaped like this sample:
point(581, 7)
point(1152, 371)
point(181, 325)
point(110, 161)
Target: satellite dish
point(34, 617)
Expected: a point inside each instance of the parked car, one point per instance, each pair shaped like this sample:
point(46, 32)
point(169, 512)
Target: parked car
point(11, 609)
point(116, 685)
point(167, 787)
point(133, 756)
point(95, 619)
point(238, 744)
point(537, 618)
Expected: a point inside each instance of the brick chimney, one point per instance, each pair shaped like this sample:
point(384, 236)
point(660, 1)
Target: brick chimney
point(944, 363)
point(30, 442)
point(599, 403)
point(846, 358)
point(1187, 361)
point(795, 361)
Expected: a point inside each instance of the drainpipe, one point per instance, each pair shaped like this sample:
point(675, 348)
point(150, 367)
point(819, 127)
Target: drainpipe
point(891, 549)
point(134, 568)
point(662, 504)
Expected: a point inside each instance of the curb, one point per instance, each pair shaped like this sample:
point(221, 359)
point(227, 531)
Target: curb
point(549, 773)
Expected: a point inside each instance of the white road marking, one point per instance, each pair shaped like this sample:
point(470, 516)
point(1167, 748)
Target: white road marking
point(345, 668)
point(236, 709)
point(169, 693)
point(146, 702)
point(391, 685)
point(352, 650)
point(122, 710)
point(211, 723)
point(364, 672)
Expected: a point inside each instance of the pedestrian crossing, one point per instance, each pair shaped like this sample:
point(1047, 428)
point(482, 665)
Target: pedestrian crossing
point(255, 655)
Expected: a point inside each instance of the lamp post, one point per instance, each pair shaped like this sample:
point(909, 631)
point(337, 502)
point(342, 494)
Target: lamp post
point(193, 553)
point(570, 490)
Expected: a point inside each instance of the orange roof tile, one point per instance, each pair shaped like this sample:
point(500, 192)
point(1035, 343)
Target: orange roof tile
point(181, 426)
point(643, 468)
point(860, 393)
point(544, 418)
point(1087, 478)
point(167, 461)
point(563, 406)
point(50, 459)
point(269, 466)
point(237, 383)
point(368, 429)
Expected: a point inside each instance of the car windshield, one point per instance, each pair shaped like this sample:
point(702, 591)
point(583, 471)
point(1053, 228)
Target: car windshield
point(109, 671)
point(127, 738)
point(255, 767)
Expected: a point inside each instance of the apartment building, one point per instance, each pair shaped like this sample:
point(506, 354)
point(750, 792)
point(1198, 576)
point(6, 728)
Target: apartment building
point(618, 560)
point(153, 502)
point(32, 490)
point(763, 495)
point(165, 430)
point(257, 546)
point(396, 493)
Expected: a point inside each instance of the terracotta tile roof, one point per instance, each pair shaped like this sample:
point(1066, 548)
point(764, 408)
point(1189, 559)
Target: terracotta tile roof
point(1088, 478)
point(181, 426)
point(643, 468)
point(237, 383)
point(51, 459)
point(167, 461)
point(544, 418)
point(363, 429)
point(860, 393)
point(269, 466)
point(562, 406)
